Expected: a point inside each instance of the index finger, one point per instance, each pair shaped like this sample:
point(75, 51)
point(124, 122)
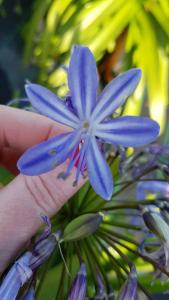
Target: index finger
point(21, 129)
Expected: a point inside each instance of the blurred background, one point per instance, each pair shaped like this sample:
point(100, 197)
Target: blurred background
point(36, 38)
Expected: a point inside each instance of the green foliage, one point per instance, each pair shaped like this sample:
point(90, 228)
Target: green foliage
point(130, 33)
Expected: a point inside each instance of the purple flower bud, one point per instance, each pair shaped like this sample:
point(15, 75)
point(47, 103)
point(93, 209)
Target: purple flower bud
point(47, 230)
point(15, 278)
point(161, 187)
point(129, 289)
point(156, 224)
point(158, 149)
point(43, 250)
point(30, 295)
point(78, 289)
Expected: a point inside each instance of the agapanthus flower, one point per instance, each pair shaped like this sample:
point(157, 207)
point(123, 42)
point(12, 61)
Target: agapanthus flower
point(23, 268)
point(155, 222)
point(89, 117)
point(17, 276)
point(159, 256)
point(129, 289)
point(152, 186)
point(79, 286)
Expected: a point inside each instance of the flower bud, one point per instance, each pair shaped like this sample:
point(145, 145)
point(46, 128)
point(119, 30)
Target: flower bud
point(82, 227)
point(129, 289)
point(43, 250)
point(155, 186)
point(156, 224)
point(15, 278)
point(78, 289)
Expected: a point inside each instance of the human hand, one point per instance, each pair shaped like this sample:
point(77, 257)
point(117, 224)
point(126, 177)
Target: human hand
point(26, 197)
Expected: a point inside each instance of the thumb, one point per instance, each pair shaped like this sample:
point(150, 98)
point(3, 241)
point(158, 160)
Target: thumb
point(22, 203)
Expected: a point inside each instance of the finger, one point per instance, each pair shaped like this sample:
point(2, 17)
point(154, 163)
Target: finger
point(22, 203)
point(22, 129)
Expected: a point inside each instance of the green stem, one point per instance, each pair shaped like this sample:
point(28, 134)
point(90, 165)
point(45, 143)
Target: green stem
point(118, 235)
point(122, 225)
point(136, 253)
point(116, 264)
point(44, 273)
point(128, 261)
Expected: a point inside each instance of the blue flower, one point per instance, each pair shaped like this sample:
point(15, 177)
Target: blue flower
point(79, 286)
point(152, 186)
point(129, 289)
point(17, 276)
point(89, 117)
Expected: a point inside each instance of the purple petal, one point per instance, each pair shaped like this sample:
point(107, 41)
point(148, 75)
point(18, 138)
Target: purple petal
point(153, 187)
point(47, 155)
point(116, 93)
point(78, 289)
point(46, 232)
point(128, 131)
point(99, 172)
point(129, 290)
point(83, 81)
point(17, 276)
point(48, 104)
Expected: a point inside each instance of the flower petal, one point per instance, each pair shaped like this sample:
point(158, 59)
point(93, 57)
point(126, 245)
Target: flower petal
point(16, 277)
point(128, 131)
point(115, 94)
point(47, 155)
point(99, 172)
point(48, 104)
point(83, 81)
point(152, 186)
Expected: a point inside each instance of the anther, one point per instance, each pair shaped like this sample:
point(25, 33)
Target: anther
point(62, 175)
point(74, 183)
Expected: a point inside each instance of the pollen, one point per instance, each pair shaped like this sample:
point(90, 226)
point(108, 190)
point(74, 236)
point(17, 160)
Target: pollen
point(86, 125)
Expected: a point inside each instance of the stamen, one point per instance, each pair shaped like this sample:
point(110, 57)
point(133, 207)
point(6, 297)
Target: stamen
point(81, 162)
point(72, 162)
point(74, 183)
point(62, 175)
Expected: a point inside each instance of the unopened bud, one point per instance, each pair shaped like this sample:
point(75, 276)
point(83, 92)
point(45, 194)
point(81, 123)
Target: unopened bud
point(129, 289)
point(82, 227)
point(43, 250)
point(78, 289)
point(156, 224)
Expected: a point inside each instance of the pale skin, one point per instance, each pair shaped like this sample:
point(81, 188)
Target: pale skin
point(26, 198)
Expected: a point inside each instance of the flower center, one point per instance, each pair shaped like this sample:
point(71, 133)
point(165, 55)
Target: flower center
point(86, 125)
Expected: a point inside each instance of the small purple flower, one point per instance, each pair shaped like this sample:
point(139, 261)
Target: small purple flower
point(30, 295)
point(154, 187)
point(17, 276)
point(44, 245)
point(89, 118)
point(129, 290)
point(78, 289)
